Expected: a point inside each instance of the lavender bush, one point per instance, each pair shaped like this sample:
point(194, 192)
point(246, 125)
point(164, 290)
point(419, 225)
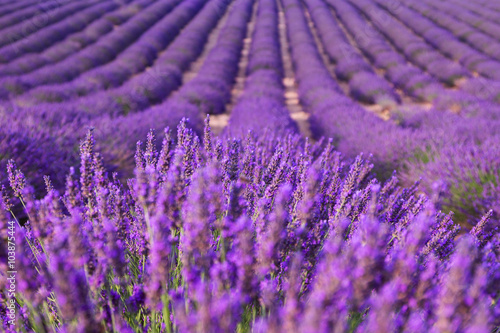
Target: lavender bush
point(210, 236)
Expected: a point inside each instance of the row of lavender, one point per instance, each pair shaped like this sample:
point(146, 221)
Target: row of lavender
point(333, 114)
point(143, 90)
point(9, 7)
point(358, 84)
point(104, 50)
point(208, 92)
point(19, 11)
point(37, 42)
point(36, 136)
point(18, 32)
point(414, 81)
point(446, 42)
point(106, 105)
point(115, 73)
point(380, 51)
point(412, 46)
point(261, 105)
point(134, 59)
point(264, 235)
point(81, 86)
point(442, 147)
point(472, 33)
point(148, 86)
point(73, 43)
point(57, 128)
point(364, 84)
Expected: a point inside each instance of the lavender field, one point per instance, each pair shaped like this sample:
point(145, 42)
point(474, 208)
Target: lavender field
point(250, 166)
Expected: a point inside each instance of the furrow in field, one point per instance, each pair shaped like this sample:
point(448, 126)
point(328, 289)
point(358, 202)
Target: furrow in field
point(292, 100)
point(346, 63)
point(440, 39)
point(25, 10)
point(74, 42)
point(16, 33)
point(102, 52)
point(260, 108)
point(45, 38)
point(220, 121)
point(131, 61)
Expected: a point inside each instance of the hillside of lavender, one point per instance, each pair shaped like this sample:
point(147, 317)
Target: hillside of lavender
point(250, 166)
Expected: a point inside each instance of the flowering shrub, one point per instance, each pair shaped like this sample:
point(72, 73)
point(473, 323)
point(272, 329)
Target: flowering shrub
point(265, 234)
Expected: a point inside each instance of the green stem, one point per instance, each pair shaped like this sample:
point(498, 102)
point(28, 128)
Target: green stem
point(166, 312)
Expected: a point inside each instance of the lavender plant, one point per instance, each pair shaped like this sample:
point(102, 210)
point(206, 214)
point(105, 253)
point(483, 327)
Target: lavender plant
point(264, 233)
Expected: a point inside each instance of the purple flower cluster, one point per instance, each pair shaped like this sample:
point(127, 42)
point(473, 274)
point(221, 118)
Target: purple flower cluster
point(256, 234)
point(259, 229)
point(458, 158)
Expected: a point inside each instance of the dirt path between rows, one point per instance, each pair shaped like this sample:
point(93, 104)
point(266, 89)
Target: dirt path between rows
point(219, 122)
point(292, 101)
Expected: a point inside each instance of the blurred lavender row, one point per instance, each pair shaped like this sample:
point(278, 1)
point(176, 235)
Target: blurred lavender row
point(413, 80)
point(412, 45)
point(364, 84)
point(134, 59)
point(105, 50)
point(14, 13)
point(333, 114)
point(44, 20)
point(261, 106)
point(40, 40)
point(448, 44)
point(75, 42)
